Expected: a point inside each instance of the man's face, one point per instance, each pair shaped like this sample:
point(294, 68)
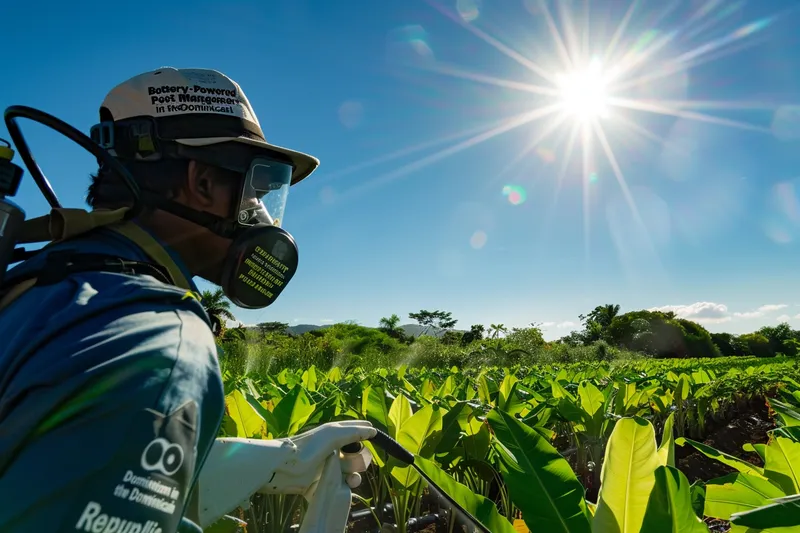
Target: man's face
point(207, 189)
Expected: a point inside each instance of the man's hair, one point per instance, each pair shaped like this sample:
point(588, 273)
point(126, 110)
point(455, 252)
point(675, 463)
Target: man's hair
point(165, 177)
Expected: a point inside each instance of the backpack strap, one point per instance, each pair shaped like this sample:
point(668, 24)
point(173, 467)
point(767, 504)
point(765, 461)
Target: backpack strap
point(61, 264)
point(16, 290)
point(63, 224)
point(154, 251)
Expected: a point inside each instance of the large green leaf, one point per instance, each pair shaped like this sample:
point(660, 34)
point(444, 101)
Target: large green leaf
point(666, 451)
point(483, 509)
point(592, 403)
point(399, 412)
point(477, 441)
point(782, 513)
point(540, 481)
point(374, 407)
point(419, 435)
point(558, 391)
point(735, 463)
point(293, 411)
point(249, 424)
point(782, 464)
point(485, 389)
point(335, 374)
point(744, 529)
point(698, 493)
point(507, 399)
point(572, 412)
point(591, 399)
point(669, 509)
point(452, 423)
point(627, 477)
point(309, 379)
point(623, 398)
point(683, 388)
point(787, 414)
point(760, 449)
point(737, 492)
point(272, 424)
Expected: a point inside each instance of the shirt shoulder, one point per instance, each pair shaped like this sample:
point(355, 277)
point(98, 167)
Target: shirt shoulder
point(96, 400)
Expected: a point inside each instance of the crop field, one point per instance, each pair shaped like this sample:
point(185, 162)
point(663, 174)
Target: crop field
point(640, 421)
point(621, 446)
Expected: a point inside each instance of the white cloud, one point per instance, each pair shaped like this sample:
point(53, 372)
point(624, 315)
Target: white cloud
point(548, 324)
point(699, 311)
point(565, 324)
point(772, 307)
point(783, 318)
point(761, 311)
point(715, 313)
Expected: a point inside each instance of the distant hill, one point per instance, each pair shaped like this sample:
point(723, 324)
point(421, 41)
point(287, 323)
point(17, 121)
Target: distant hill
point(414, 330)
point(305, 328)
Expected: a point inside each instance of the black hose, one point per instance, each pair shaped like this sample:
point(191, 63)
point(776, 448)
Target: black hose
point(393, 448)
point(18, 111)
point(421, 522)
point(396, 450)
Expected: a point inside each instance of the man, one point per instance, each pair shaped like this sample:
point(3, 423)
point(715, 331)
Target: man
point(110, 390)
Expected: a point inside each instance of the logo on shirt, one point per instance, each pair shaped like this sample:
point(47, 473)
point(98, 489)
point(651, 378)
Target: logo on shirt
point(163, 456)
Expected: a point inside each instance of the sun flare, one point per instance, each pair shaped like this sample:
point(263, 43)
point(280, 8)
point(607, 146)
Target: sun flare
point(583, 92)
point(607, 84)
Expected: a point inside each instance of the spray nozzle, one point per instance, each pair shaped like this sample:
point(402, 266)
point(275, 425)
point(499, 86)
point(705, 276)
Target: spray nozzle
point(10, 174)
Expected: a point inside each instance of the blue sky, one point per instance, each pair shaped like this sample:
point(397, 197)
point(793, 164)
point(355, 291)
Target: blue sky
point(406, 213)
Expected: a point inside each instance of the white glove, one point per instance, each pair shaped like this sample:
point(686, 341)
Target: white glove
point(237, 468)
point(306, 454)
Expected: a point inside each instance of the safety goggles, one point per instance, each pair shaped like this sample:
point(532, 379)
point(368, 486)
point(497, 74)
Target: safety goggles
point(266, 176)
point(265, 187)
point(264, 192)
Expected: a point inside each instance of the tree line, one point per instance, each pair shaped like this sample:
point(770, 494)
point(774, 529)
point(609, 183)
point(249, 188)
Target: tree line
point(660, 334)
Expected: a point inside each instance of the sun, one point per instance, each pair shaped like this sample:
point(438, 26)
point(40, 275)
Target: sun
point(582, 92)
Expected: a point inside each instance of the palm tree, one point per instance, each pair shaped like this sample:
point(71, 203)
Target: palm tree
point(497, 329)
point(607, 314)
point(389, 324)
point(218, 308)
point(603, 315)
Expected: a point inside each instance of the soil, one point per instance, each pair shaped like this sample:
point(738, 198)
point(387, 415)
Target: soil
point(749, 424)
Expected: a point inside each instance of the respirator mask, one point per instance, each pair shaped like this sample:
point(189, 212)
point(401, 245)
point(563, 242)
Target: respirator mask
point(262, 257)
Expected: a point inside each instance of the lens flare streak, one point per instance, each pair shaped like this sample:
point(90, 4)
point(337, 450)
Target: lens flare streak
point(660, 109)
point(507, 125)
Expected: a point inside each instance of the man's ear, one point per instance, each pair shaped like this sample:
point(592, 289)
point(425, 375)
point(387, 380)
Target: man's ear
point(200, 183)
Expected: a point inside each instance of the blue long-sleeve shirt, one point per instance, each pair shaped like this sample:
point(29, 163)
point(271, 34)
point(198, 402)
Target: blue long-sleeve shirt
point(110, 398)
